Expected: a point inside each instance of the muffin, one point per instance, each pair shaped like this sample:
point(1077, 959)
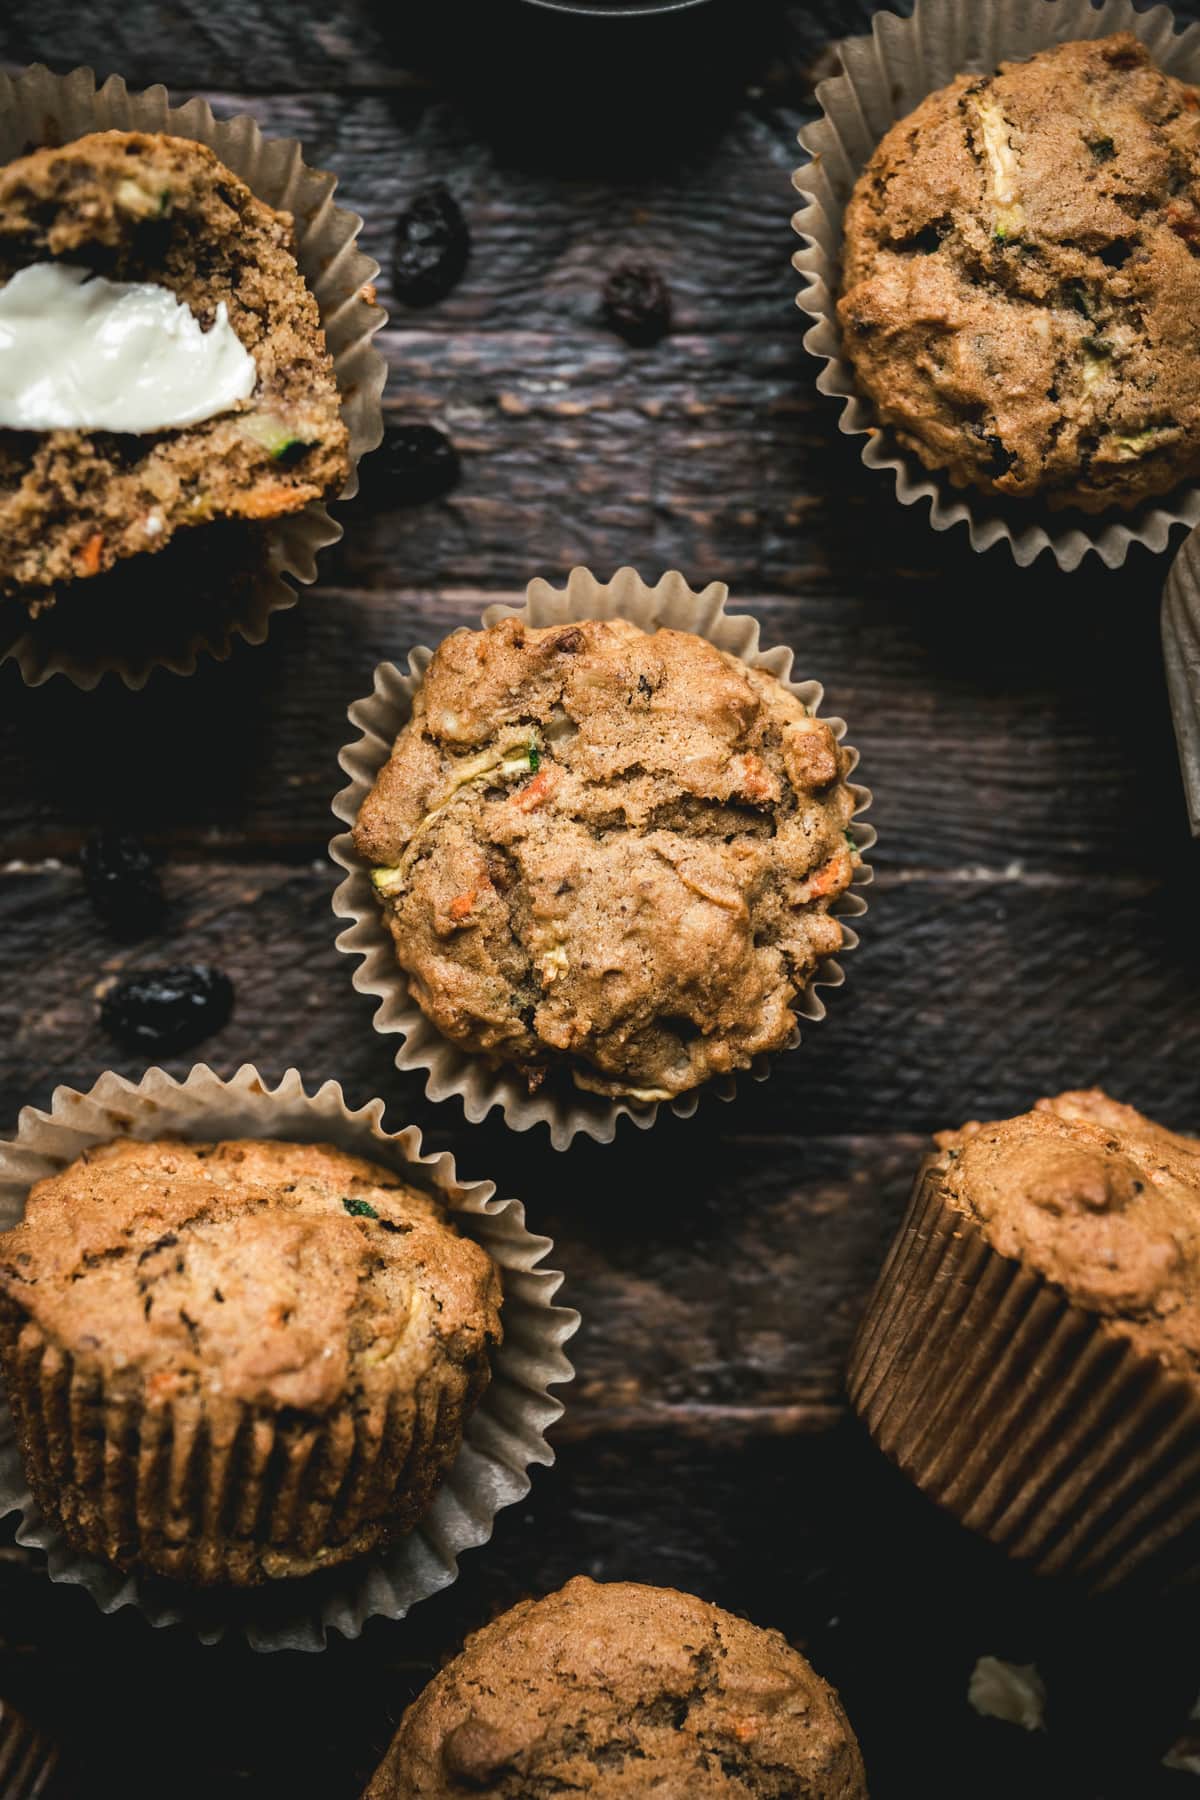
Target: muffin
point(621, 1690)
point(100, 463)
point(609, 853)
point(1031, 1354)
point(236, 1362)
point(1021, 269)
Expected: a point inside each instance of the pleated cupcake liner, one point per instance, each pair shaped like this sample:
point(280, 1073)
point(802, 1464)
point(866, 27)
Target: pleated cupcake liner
point(28, 1759)
point(1181, 659)
point(453, 1072)
point(884, 76)
point(1029, 1419)
point(265, 562)
point(504, 1437)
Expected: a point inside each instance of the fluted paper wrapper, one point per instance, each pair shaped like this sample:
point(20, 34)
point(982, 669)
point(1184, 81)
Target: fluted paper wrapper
point(211, 584)
point(1028, 1418)
point(883, 78)
point(452, 1071)
point(28, 1759)
point(1181, 658)
point(503, 1438)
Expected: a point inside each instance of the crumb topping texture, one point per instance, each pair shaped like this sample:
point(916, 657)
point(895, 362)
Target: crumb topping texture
point(1101, 1201)
point(609, 851)
point(1022, 277)
point(239, 1360)
point(619, 1690)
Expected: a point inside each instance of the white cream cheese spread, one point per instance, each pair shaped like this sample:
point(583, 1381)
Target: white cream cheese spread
point(81, 353)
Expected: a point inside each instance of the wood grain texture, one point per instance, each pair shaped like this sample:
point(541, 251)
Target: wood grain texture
point(1032, 925)
point(968, 997)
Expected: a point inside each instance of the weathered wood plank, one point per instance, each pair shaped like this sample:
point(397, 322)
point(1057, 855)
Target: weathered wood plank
point(1039, 745)
point(1033, 925)
point(966, 998)
point(815, 1535)
point(349, 44)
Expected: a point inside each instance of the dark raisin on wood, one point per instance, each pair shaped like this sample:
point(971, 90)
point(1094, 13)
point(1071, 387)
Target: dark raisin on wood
point(416, 463)
point(432, 246)
point(122, 883)
point(637, 303)
point(162, 1011)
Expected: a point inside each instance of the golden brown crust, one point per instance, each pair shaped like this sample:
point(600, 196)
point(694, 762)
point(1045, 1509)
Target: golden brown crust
point(139, 206)
point(616, 1691)
point(239, 1360)
point(1100, 1201)
point(641, 898)
point(1022, 277)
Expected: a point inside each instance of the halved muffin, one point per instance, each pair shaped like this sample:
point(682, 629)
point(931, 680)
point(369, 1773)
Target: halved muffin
point(135, 207)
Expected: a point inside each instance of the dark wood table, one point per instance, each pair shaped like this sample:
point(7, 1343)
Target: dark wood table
point(1033, 924)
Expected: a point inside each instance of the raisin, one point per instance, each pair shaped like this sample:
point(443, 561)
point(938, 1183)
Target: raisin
point(637, 303)
point(417, 462)
point(432, 246)
point(166, 1010)
point(122, 883)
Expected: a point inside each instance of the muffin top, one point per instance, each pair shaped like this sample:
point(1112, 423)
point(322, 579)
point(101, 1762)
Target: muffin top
point(267, 1274)
point(1022, 278)
point(610, 850)
point(1098, 1199)
point(619, 1690)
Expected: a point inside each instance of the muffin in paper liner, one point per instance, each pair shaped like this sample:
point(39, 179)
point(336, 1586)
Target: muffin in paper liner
point(453, 1071)
point(503, 1437)
point(883, 78)
point(231, 580)
point(1021, 1413)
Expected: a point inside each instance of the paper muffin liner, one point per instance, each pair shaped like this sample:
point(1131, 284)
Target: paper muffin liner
point(883, 78)
point(1025, 1416)
point(453, 1071)
point(251, 575)
point(28, 1759)
point(503, 1437)
point(1181, 659)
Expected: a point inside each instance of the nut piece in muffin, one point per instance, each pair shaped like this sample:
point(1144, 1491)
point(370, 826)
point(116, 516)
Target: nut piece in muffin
point(609, 851)
point(239, 1361)
point(617, 1691)
point(1030, 1356)
point(134, 207)
point(1021, 277)
point(1100, 1201)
